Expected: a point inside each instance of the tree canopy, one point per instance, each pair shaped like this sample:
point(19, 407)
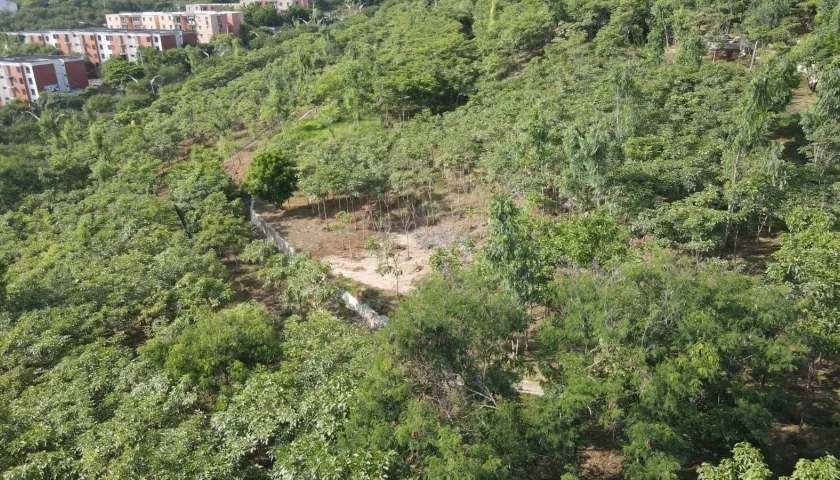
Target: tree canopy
point(646, 288)
point(271, 177)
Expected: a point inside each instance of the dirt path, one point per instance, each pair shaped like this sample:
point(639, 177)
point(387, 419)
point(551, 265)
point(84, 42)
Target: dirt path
point(801, 98)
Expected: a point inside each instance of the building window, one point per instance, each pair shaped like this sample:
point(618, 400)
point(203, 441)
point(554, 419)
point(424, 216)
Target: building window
point(32, 91)
point(100, 37)
point(28, 70)
point(30, 81)
point(55, 36)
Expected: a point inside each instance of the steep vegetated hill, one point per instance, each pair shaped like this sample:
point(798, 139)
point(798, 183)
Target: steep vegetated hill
point(660, 252)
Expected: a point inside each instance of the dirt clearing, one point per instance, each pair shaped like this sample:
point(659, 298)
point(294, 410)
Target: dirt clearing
point(341, 243)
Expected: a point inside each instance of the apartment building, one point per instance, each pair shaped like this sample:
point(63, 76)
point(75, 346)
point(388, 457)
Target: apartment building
point(26, 76)
point(6, 6)
point(100, 44)
point(212, 7)
point(278, 5)
point(208, 24)
point(204, 23)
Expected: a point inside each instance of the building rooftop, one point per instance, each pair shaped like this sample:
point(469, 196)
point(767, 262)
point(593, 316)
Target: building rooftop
point(36, 58)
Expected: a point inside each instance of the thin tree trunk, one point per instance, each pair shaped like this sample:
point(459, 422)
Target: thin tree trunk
point(731, 207)
point(812, 366)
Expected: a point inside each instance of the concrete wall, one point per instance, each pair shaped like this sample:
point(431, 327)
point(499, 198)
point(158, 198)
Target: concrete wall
point(114, 20)
point(369, 315)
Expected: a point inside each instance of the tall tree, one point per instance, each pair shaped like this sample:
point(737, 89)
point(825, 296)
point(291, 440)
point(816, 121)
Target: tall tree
point(271, 177)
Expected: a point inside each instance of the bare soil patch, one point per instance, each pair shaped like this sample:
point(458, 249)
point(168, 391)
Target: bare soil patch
point(600, 464)
point(315, 229)
point(788, 443)
point(237, 165)
point(809, 425)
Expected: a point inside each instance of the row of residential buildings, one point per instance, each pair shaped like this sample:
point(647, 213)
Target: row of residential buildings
point(99, 44)
point(125, 32)
point(206, 19)
point(26, 76)
point(205, 24)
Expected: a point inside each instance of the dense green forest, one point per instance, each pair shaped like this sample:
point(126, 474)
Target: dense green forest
point(661, 250)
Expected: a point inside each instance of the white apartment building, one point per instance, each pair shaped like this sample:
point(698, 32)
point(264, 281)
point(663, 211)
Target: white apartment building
point(25, 77)
point(6, 6)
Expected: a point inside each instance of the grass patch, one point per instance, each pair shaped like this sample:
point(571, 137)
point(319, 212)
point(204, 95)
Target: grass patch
point(344, 129)
point(789, 132)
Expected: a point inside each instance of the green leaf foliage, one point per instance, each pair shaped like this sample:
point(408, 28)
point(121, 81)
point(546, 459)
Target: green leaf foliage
point(271, 177)
point(635, 229)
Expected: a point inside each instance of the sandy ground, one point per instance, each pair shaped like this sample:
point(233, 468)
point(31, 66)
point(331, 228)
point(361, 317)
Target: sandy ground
point(413, 261)
point(342, 245)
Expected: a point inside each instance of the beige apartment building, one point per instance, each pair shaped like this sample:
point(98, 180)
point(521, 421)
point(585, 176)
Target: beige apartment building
point(212, 7)
point(204, 23)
